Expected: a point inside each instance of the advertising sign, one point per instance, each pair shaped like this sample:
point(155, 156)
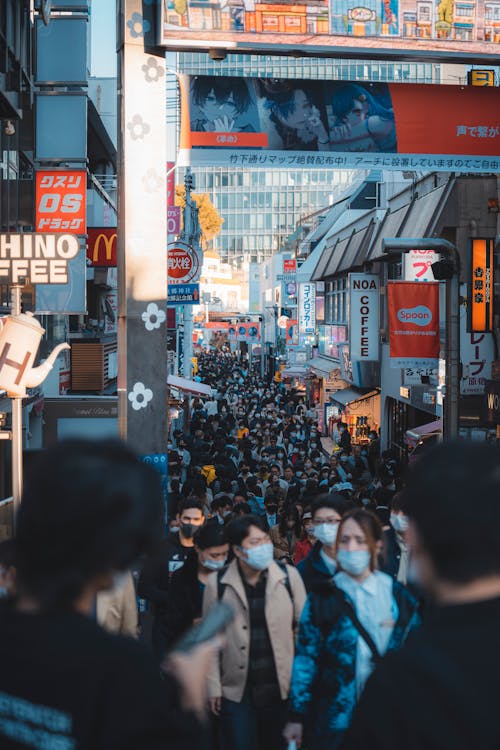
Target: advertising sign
point(292, 334)
point(269, 122)
point(425, 29)
point(307, 308)
point(481, 253)
point(37, 258)
point(363, 316)
point(417, 265)
point(289, 265)
point(184, 265)
point(413, 323)
point(101, 246)
point(248, 332)
point(170, 184)
point(477, 352)
point(61, 201)
point(183, 294)
point(173, 220)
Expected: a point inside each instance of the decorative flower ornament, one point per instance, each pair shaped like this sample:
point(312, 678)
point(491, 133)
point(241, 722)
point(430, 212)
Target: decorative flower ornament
point(140, 396)
point(153, 317)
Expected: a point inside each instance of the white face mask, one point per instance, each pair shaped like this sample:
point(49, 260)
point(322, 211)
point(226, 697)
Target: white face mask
point(399, 522)
point(353, 562)
point(259, 557)
point(326, 533)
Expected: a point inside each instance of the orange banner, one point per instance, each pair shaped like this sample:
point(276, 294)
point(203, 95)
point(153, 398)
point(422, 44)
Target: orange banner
point(413, 322)
point(481, 285)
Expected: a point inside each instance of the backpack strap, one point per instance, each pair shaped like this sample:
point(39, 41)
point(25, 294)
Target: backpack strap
point(220, 586)
point(349, 610)
point(288, 586)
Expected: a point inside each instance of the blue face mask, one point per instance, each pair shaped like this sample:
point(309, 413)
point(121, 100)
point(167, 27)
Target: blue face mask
point(353, 562)
point(259, 557)
point(210, 564)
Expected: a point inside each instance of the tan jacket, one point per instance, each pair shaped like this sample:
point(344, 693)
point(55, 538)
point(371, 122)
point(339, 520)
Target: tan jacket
point(117, 608)
point(280, 543)
point(228, 675)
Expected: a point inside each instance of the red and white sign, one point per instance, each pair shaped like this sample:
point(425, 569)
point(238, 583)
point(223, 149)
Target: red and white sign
point(413, 323)
point(183, 264)
point(290, 265)
point(418, 265)
point(61, 201)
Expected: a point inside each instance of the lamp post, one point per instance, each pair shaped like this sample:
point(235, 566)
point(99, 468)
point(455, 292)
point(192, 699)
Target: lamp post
point(447, 270)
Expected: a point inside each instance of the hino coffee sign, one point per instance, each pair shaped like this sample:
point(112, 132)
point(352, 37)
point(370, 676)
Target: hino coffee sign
point(363, 317)
point(37, 258)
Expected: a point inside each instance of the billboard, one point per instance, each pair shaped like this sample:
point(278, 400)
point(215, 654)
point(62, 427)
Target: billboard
point(307, 309)
point(269, 122)
point(432, 30)
point(61, 201)
point(413, 323)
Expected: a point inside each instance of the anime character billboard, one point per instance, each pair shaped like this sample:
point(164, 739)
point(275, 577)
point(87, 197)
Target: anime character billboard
point(284, 122)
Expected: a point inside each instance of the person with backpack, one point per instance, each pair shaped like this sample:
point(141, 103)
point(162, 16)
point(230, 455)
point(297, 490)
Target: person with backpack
point(346, 627)
point(248, 687)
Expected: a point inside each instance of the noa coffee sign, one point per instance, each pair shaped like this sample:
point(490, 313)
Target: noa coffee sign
point(363, 317)
point(183, 263)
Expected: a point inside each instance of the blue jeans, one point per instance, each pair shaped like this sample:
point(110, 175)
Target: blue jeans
point(245, 726)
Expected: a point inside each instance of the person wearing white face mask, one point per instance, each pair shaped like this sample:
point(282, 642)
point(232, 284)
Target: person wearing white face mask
point(345, 628)
point(320, 564)
point(188, 583)
point(248, 687)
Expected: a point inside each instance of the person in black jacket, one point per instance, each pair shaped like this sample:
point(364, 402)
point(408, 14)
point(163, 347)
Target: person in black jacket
point(65, 682)
point(441, 689)
point(172, 553)
point(187, 584)
point(320, 565)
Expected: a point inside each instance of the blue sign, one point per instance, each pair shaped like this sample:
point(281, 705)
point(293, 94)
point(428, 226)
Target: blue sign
point(183, 294)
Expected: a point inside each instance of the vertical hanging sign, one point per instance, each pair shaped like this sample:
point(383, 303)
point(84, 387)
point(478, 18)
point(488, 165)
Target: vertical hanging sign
point(413, 323)
point(307, 308)
point(481, 253)
point(363, 316)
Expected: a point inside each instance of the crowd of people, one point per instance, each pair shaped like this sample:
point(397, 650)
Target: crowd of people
point(364, 601)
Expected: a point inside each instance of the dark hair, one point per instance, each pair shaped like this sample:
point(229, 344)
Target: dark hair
point(334, 501)
point(242, 508)
point(210, 535)
point(371, 527)
point(187, 503)
point(222, 87)
point(237, 529)
point(88, 508)
point(8, 553)
point(291, 513)
point(461, 537)
point(221, 502)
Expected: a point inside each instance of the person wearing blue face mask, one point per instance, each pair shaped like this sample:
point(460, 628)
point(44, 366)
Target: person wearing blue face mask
point(248, 687)
point(347, 625)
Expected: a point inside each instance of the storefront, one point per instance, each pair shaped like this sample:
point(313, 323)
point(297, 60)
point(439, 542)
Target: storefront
point(359, 410)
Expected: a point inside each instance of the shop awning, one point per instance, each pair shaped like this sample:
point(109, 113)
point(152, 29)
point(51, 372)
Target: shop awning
point(189, 386)
point(348, 395)
point(323, 366)
point(295, 371)
point(424, 429)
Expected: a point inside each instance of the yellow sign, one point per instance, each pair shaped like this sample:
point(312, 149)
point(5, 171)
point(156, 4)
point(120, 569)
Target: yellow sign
point(481, 77)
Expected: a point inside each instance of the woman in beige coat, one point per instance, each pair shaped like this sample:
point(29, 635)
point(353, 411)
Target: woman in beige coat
point(286, 534)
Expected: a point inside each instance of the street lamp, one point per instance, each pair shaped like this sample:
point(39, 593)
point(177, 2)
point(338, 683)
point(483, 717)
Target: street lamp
point(447, 269)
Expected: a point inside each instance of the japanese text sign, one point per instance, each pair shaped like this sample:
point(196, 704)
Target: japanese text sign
point(184, 265)
point(481, 284)
point(413, 323)
point(417, 265)
point(307, 308)
point(61, 201)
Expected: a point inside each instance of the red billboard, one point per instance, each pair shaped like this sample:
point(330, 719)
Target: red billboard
point(413, 323)
point(61, 201)
point(426, 30)
point(269, 122)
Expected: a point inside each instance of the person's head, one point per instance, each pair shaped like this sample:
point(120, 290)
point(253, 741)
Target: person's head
point(451, 499)
point(250, 541)
point(222, 506)
point(220, 97)
point(90, 509)
point(293, 108)
point(8, 568)
point(189, 517)
point(239, 497)
point(326, 513)
point(275, 472)
point(211, 547)
point(290, 521)
point(241, 509)
point(271, 503)
point(359, 541)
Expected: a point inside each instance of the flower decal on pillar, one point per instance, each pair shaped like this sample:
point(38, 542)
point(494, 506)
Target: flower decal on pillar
point(138, 25)
point(153, 317)
point(140, 396)
point(152, 181)
point(138, 128)
point(152, 71)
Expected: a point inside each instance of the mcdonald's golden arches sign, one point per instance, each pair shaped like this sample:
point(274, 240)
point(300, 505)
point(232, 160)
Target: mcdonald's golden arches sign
point(101, 246)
